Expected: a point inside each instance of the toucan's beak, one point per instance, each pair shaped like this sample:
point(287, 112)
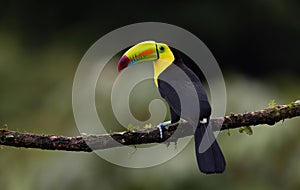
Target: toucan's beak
point(142, 52)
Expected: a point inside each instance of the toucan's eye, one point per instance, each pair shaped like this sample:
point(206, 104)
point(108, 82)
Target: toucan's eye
point(161, 48)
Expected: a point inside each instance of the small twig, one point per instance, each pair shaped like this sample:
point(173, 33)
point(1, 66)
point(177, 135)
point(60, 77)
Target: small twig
point(88, 143)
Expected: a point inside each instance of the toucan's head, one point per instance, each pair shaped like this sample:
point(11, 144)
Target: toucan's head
point(145, 51)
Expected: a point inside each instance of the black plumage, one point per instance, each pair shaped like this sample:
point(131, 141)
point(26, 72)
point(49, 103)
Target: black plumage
point(178, 82)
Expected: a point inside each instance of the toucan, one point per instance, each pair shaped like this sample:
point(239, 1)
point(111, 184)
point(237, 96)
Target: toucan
point(165, 62)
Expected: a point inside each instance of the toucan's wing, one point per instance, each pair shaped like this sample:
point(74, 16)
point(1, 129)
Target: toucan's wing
point(184, 99)
point(180, 86)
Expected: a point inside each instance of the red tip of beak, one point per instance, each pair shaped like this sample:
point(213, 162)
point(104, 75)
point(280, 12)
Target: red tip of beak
point(123, 63)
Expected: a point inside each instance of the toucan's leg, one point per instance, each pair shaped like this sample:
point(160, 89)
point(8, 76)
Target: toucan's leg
point(161, 126)
point(174, 119)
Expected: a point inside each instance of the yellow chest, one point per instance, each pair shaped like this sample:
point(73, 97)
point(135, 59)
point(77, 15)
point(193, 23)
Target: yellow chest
point(159, 66)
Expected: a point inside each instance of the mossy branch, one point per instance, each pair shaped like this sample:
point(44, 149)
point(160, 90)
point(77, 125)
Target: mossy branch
point(88, 143)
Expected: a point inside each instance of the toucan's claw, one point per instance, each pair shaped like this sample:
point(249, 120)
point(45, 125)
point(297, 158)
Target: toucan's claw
point(161, 126)
point(183, 120)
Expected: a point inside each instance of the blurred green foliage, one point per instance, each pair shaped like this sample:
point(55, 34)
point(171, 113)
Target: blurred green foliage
point(41, 44)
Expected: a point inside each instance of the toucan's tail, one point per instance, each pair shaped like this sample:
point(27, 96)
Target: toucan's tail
point(211, 160)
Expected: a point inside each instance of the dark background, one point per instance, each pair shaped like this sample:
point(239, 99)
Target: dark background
point(256, 44)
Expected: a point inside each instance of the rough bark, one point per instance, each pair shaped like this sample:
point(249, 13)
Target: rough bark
point(88, 143)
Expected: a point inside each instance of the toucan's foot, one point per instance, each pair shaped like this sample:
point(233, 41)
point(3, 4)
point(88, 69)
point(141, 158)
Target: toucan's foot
point(183, 120)
point(161, 126)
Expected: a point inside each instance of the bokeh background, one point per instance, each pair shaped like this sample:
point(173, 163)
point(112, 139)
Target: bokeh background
point(256, 44)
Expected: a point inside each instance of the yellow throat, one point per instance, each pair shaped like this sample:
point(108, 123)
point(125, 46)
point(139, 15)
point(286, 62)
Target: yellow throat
point(165, 60)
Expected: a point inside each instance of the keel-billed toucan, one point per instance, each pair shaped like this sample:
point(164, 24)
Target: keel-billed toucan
point(165, 59)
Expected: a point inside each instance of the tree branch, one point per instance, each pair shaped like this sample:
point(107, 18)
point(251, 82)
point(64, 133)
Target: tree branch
point(88, 143)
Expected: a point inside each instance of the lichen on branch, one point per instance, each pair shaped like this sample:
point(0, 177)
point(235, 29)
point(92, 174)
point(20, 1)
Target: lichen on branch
point(88, 143)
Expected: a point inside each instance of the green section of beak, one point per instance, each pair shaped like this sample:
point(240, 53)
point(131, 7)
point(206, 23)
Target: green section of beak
point(142, 52)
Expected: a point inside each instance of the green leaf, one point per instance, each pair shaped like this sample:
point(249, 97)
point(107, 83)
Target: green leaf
point(148, 126)
point(132, 128)
point(247, 130)
point(228, 132)
point(4, 127)
point(272, 104)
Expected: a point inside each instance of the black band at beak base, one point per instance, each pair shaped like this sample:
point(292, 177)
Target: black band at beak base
point(156, 50)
